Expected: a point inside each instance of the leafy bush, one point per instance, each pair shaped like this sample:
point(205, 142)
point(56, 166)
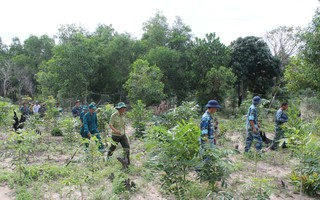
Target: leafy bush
point(140, 117)
point(67, 128)
point(56, 131)
point(5, 115)
point(175, 153)
point(307, 174)
point(215, 167)
point(186, 111)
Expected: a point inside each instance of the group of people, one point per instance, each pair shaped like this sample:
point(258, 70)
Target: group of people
point(33, 108)
point(208, 126)
point(89, 128)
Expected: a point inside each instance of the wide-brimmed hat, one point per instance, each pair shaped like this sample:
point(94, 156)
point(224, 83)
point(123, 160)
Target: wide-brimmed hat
point(92, 106)
point(213, 104)
point(121, 105)
point(256, 100)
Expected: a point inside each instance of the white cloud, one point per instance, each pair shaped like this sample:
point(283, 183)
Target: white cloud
point(230, 19)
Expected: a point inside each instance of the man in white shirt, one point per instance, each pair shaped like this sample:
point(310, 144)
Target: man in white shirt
point(36, 107)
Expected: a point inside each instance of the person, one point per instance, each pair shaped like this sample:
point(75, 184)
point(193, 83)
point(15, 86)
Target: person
point(42, 110)
point(280, 118)
point(118, 127)
point(36, 107)
point(207, 126)
point(253, 126)
point(90, 125)
point(77, 109)
point(84, 111)
point(25, 110)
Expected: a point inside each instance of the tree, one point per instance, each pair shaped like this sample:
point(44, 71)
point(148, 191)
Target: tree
point(284, 42)
point(156, 31)
point(304, 70)
point(144, 83)
point(255, 67)
point(300, 74)
point(206, 54)
point(311, 39)
point(219, 81)
point(6, 73)
point(70, 70)
point(168, 62)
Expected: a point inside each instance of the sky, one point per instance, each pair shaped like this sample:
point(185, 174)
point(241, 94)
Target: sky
point(229, 19)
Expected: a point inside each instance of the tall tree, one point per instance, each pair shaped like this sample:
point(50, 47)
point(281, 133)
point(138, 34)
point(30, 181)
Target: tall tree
point(304, 70)
point(254, 65)
point(168, 61)
point(219, 81)
point(206, 54)
point(284, 42)
point(144, 83)
point(71, 68)
point(156, 31)
point(6, 73)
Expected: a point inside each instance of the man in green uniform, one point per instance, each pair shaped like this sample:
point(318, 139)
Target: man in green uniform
point(117, 125)
point(84, 111)
point(90, 125)
point(280, 118)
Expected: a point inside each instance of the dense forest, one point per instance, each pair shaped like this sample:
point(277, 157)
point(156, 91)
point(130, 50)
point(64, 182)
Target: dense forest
point(165, 78)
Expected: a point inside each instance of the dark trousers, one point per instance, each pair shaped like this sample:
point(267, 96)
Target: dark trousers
point(123, 140)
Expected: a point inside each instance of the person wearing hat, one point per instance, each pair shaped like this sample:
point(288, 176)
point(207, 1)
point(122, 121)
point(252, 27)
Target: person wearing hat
point(252, 126)
point(280, 118)
point(90, 125)
point(84, 111)
point(117, 125)
point(207, 125)
point(36, 107)
point(77, 109)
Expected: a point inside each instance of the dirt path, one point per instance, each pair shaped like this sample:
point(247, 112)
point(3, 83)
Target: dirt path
point(5, 193)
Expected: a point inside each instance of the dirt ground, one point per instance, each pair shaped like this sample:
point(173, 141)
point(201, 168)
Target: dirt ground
point(275, 166)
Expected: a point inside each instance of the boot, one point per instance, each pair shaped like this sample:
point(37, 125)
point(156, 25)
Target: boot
point(127, 156)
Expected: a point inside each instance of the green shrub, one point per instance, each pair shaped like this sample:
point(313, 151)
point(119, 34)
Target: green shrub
point(175, 154)
point(140, 116)
point(186, 111)
point(56, 131)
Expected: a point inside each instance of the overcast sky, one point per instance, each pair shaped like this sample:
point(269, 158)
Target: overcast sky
point(229, 19)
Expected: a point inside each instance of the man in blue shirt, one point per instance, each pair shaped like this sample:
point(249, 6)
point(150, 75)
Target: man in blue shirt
point(77, 109)
point(252, 125)
point(280, 118)
point(90, 125)
point(207, 125)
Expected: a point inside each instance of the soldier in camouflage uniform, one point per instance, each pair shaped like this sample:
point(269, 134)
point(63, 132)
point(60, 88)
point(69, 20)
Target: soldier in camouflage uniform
point(280, 118)
point(253, 126)
point(207, 125)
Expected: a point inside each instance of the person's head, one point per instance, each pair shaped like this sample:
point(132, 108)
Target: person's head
point(37, 102)
point(212, 106)
point(284, 106)
point(121, 107)
point(78, 103)
point(256, 100)
point(92, 108)
point(24, 104)
point(85, 109)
